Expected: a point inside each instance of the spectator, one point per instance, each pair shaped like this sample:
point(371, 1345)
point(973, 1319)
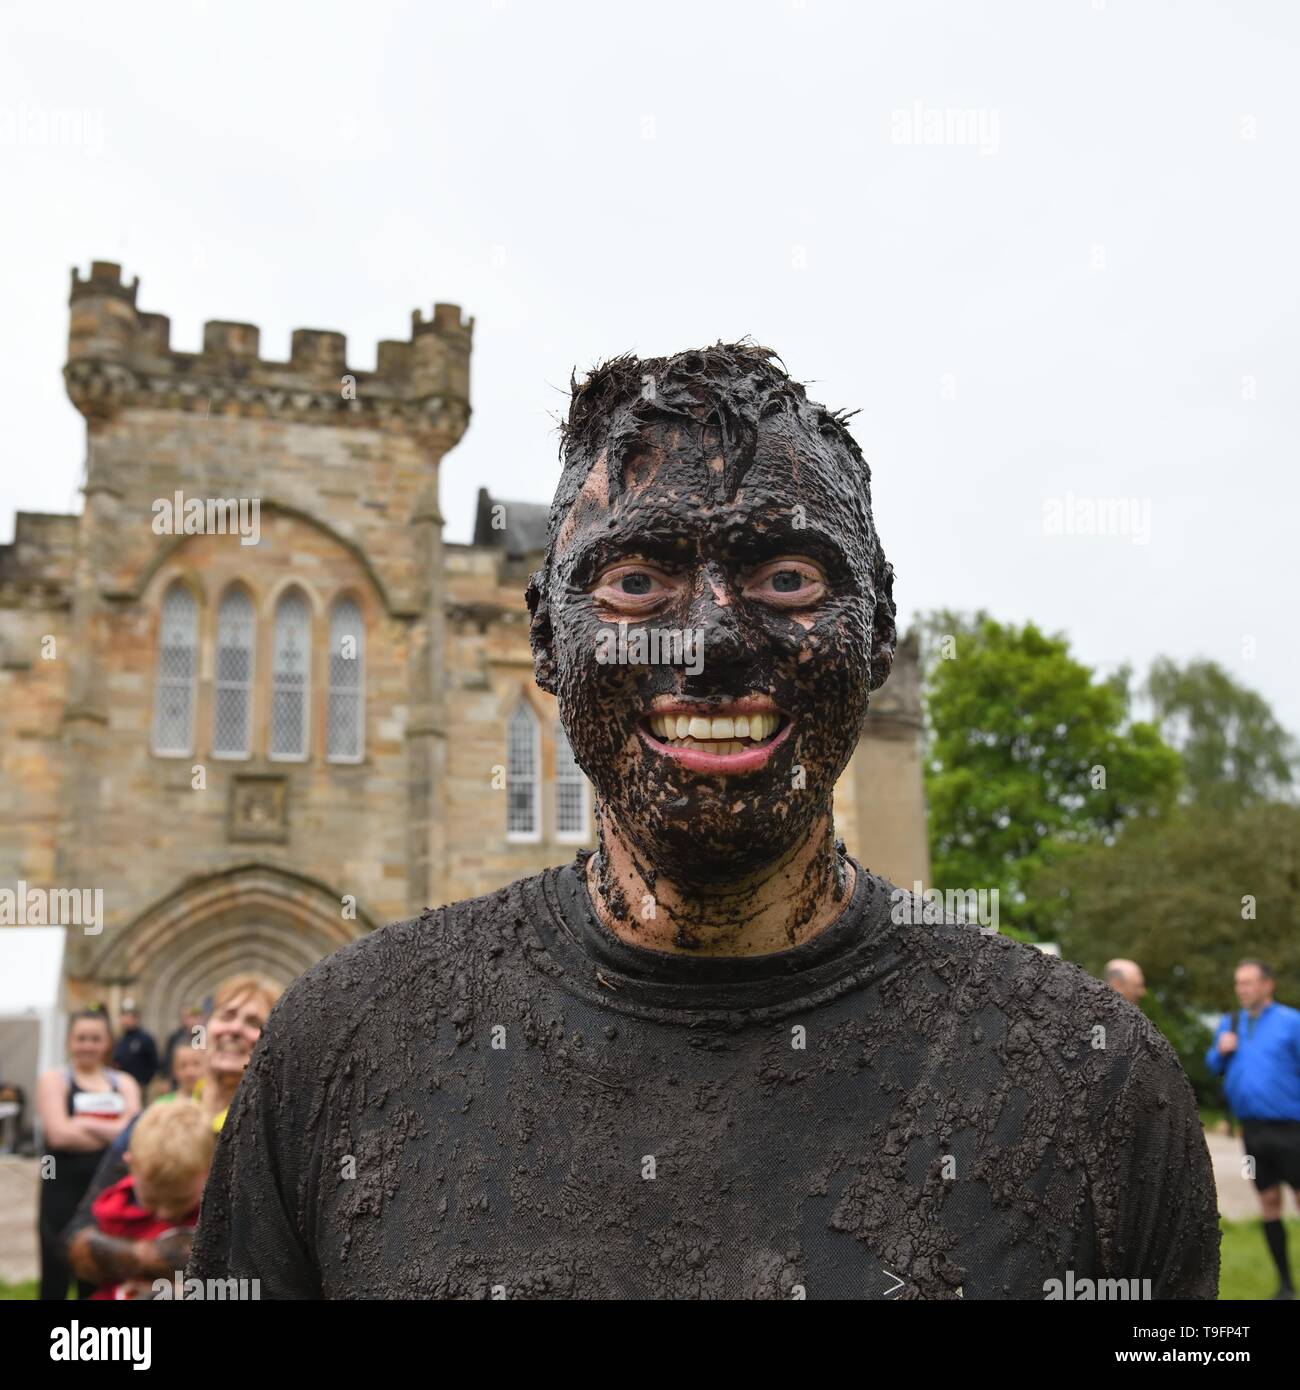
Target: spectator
point(136, 1052)
point(1126, 979)
point(191, 1018)
point(83, 1107)
point(169, 1156)
point(239, 1012)
point(1258, 1056)
point(189, 1066)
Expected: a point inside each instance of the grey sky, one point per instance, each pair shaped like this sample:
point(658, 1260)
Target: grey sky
point(1088, 289)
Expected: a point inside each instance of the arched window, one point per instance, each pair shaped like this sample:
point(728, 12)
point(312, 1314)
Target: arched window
point(570, 792)
point(290, 677)
point(233, 692)
point(523, 775)
point(345, 732)
point(178, 647)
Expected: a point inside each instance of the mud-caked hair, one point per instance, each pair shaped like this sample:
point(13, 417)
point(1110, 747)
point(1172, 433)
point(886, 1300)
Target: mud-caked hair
point(721, 394)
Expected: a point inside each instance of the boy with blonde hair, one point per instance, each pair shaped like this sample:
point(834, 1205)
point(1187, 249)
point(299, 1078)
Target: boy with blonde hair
point(169, 1157)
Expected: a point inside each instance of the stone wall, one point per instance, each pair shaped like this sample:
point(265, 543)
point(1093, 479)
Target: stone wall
point(35, 584)
point(489, 671)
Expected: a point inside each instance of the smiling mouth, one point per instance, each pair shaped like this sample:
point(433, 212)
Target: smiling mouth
point(730, 738)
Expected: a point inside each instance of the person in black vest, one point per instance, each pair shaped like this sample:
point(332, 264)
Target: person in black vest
point(83, 1107)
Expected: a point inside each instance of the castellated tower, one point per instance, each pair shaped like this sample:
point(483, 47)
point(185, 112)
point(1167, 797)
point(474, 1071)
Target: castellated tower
point(251, 706)
point(247, 794)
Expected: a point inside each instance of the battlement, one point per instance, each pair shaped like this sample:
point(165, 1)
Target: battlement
point(120, 356)
point(40, 559)
point(105, 278)
point(446, 319)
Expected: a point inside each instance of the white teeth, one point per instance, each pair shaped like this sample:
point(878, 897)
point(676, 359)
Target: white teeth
point(690, 730)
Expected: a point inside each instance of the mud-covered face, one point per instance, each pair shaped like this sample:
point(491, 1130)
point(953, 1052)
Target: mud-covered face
point(713, 657)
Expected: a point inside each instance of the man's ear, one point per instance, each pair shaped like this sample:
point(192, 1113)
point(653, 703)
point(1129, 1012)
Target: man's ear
point(540, 636)
point(884, 631)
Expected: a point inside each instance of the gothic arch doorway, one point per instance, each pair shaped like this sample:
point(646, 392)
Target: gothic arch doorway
point(252, 918)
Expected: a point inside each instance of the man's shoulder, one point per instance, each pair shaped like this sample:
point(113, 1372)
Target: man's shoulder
point(1048, 1003)
point(412, 955)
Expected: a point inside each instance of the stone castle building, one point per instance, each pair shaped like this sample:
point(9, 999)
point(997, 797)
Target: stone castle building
point(259, 751)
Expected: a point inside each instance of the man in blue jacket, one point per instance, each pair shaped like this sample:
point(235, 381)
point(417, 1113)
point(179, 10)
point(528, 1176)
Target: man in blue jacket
point(1258, 1056)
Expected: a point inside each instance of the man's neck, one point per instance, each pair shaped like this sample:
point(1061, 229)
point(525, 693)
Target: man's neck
point(782, 907)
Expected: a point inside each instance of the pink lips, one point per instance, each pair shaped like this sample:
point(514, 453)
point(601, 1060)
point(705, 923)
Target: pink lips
point(722, 764)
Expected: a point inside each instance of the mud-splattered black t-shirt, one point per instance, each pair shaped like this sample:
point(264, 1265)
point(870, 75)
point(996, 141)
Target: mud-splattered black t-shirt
point(501, 1099)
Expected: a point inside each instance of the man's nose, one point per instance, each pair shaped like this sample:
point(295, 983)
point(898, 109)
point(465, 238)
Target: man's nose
point(713, 614)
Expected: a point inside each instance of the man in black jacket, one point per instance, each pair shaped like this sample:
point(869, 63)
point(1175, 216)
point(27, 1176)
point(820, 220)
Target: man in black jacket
point(136, 1053)
point(718, 1057)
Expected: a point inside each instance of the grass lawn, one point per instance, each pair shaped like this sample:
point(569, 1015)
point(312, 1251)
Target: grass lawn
point(1245, 1270)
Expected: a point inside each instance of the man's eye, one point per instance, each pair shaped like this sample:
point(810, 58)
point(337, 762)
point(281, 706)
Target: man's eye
point(787, 581)
point(636, 583)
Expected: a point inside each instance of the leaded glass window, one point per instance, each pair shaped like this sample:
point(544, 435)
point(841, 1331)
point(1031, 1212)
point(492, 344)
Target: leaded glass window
point(523, 775)
point(346, 721)
point(233, 689)
point(178, 646)
point(290, 676)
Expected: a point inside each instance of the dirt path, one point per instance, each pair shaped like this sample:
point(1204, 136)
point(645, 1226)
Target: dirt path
point(19, 1253)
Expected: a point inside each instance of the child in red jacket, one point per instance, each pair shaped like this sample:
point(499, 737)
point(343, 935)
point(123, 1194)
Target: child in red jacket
point(169, 1156)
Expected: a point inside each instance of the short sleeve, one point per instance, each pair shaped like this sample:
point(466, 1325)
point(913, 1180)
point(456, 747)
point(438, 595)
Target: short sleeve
point(1156, 1192)
point(250, 1223)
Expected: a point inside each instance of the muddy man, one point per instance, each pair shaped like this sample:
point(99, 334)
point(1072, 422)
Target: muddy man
point(717, 1058)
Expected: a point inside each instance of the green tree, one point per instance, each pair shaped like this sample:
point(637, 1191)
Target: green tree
point(1235, 753)
point(1187, 899)
point(1029, 754)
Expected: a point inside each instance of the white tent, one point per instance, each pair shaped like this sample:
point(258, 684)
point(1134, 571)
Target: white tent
point(31, 1009)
